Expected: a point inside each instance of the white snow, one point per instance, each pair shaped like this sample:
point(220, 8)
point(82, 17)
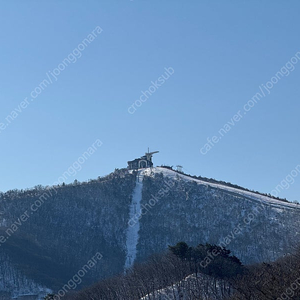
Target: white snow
point(196, 285)
point(253, 196)
point(135, 206)
point(132, 237)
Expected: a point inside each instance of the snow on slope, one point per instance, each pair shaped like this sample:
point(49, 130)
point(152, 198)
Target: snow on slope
point(135, 207)
point(14, 282)
point(194, 286)
point(251, 196)
point(133, 229)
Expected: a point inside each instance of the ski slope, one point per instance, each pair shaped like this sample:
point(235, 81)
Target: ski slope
point(132, 237)
point(238, 192)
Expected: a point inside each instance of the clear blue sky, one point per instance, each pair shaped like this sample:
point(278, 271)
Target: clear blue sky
point(221, 51)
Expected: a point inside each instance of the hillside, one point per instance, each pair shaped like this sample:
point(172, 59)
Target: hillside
point(178, 274)
point(255, 227)
point(79, 220)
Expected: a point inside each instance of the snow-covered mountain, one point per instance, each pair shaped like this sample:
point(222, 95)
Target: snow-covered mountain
point(255, 227)
point(127, 216)
point(13, 283)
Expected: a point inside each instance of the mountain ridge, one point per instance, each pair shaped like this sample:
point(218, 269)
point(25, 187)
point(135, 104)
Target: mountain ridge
point(84, 218)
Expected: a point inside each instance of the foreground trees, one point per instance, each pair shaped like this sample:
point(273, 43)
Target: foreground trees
point(205, 272)
point(279, 280)
point(177, 273)
point(209, 259)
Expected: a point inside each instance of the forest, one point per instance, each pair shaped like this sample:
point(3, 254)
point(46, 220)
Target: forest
point(178, 274)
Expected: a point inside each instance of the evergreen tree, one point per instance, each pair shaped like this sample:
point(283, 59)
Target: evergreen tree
point(181, 250)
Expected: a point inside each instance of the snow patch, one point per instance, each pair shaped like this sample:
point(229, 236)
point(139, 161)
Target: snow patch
point(253, 196)
point(132, 237)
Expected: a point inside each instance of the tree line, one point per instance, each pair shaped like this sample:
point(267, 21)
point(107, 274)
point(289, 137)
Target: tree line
point(180, 273)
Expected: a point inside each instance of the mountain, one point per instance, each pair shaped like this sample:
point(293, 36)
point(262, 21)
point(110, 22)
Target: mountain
point(69, 236)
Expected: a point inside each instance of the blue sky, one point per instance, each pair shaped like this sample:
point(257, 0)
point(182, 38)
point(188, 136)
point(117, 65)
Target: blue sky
point(221, 53)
